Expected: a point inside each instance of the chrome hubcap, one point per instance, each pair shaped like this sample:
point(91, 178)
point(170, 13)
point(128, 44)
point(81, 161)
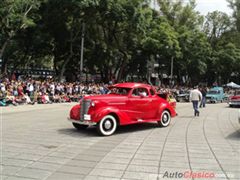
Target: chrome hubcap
point(165, 118)
point(107, 124)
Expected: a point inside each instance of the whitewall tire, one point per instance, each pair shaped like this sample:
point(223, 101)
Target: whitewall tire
point(107, 126)
point(165, 119)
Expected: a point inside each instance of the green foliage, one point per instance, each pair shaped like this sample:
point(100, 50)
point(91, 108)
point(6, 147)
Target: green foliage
point(121, 38)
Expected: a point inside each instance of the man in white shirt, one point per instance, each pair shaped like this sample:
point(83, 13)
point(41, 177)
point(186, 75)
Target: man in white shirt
point(195, 97)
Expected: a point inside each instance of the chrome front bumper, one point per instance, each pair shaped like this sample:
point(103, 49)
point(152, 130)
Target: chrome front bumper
point(237, 103)
point(89, 123)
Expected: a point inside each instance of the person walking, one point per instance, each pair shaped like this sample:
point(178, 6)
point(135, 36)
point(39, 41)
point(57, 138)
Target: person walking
point(195, 97)
point(204, 93)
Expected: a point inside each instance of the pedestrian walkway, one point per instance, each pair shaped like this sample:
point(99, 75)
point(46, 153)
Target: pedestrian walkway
point(41, 144)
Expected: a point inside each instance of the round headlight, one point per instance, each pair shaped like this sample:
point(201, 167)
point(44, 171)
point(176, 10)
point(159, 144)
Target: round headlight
point(92, 103)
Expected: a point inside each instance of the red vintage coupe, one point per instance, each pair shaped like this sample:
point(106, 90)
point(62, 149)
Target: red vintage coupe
point(126, 103)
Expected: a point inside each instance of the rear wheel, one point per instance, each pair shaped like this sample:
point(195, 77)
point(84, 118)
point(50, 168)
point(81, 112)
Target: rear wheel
point(165, 119)
point(79, 126)
point(107, 126)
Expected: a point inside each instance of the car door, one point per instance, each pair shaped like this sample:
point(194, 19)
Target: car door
point(139, 104)
point(154, 105)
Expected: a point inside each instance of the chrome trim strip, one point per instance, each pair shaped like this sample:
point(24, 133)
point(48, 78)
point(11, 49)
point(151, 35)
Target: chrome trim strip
point(116, 103)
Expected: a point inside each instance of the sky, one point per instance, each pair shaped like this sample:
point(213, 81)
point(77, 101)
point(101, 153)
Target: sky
point(205, 6)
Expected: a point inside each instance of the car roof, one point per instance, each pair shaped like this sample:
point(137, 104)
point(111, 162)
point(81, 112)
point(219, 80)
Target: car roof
point(131, 85)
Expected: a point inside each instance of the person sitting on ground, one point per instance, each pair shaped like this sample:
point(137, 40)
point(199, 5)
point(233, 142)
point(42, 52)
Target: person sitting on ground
point(28, 100)
point(65, 98)
point(56, 98)
point(10, 99)
point(46, 99)
point(2, 99)
point(20, 100)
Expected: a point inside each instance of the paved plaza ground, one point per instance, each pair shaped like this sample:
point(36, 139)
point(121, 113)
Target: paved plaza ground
point(37, 142)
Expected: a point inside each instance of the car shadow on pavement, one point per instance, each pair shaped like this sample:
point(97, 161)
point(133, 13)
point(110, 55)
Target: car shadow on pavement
point(183, 117)
point(92, 131)
point(136, 127)
point(234, 136)
point(233, 107)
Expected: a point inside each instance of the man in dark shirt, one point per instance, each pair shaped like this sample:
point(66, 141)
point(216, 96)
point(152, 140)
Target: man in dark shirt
point(204, 93)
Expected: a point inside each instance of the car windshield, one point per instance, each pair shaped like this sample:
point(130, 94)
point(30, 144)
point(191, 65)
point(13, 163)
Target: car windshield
point(213, 92)
point(119, 91)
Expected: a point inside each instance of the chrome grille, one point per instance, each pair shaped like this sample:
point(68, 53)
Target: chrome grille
point(85, 105)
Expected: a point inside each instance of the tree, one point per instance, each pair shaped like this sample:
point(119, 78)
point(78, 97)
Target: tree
point(16, 15)
point(217, 23)
point(235, 5)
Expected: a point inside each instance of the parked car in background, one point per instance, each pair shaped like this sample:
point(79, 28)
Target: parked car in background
point(183, 96)
point(234, 100)
point(215, 94)
point(126, 103)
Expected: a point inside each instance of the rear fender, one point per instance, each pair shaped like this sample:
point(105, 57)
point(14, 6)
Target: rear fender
point(169, 108)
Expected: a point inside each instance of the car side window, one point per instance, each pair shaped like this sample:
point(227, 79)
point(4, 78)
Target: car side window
point(135, 92)
point(152, 92)
point(139, 92)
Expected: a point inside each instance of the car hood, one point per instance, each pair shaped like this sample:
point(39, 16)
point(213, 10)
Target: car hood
point(107, 97)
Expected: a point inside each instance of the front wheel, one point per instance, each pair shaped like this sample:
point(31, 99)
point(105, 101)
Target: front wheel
point(80, 126)
point(107, 126)
point(165, 119)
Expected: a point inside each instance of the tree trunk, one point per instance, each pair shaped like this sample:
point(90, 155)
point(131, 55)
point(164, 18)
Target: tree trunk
point(63, 69)
point(123, 66)
point(55, 65)
point(106, 75)
point(4, 67)
point(4, 62)
point(121, 70)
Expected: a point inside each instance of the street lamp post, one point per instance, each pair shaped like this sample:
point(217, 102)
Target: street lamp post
point(171, 68)
point(82, 46)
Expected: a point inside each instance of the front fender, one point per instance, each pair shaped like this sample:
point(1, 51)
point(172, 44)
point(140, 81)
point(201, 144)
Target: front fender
point(75, 112)
point(100, 113)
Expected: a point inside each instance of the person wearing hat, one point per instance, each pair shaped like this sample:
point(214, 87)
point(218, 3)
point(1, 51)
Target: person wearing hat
point(195, 97)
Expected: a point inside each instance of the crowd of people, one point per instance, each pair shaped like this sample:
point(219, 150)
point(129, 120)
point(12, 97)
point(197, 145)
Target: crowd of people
point(31, 91)
point(27, 90)
point(17, 91)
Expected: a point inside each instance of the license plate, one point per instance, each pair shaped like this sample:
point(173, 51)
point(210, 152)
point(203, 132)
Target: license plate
point(87, 117)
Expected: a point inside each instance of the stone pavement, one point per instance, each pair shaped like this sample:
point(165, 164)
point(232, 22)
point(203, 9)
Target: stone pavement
point(38, 143)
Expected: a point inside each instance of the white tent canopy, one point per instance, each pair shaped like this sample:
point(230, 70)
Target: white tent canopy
point(233, 85)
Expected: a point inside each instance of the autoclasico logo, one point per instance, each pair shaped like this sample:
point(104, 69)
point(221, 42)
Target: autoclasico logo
point(189, 174)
